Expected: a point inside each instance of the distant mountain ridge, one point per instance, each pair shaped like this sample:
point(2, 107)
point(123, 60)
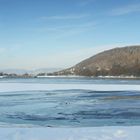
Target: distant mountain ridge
point(23, 71)
point(115, 62)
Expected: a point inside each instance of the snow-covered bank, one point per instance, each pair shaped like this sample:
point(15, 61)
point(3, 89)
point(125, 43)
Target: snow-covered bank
point(119, 77)
point(93, 133)
point(97, 77)
point(61, 76)
point(8, 87)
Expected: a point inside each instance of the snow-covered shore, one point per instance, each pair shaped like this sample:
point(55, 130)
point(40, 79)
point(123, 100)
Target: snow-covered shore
point(9, 87)
point(100, 77)
point(93, 133)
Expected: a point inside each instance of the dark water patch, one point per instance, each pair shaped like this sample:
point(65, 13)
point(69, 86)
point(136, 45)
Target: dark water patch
point(132, 97)
point(108, 114)
point(94, 91)
point(13, 95)
point(31, 117)
point(120, 123)
point(11, 104)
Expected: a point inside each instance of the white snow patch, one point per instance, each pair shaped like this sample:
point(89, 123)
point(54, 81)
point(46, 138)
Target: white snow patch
point(93, 133)
point(7, 87)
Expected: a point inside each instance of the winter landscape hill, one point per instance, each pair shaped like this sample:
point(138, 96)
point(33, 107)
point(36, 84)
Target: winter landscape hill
point(115, 62)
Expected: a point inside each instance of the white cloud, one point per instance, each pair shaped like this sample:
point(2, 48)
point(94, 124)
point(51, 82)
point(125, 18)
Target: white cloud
point(125, 10)
point(65, 17)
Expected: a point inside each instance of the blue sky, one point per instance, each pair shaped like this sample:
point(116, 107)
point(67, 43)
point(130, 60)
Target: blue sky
point(60, 33)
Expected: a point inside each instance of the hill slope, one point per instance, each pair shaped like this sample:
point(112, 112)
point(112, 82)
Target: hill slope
point(119, 61)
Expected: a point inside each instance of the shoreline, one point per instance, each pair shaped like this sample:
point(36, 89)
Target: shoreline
point(73, 76)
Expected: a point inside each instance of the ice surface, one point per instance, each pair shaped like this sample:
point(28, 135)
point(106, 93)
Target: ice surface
point(84, 133)
point(5, 87)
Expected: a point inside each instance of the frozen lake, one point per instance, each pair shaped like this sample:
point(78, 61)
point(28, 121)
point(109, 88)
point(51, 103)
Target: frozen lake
point(70, 108)
point(69, 102)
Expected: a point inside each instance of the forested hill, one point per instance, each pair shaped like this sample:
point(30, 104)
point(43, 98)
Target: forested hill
point(115, 62)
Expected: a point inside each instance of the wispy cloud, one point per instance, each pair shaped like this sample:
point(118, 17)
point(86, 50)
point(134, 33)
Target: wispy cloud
point(126, 10)
point(65, 17)
point(85, 2)
point(69, 27)
point(69, 30)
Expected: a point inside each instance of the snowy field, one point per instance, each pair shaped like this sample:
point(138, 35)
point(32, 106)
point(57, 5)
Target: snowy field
point(93, 133)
